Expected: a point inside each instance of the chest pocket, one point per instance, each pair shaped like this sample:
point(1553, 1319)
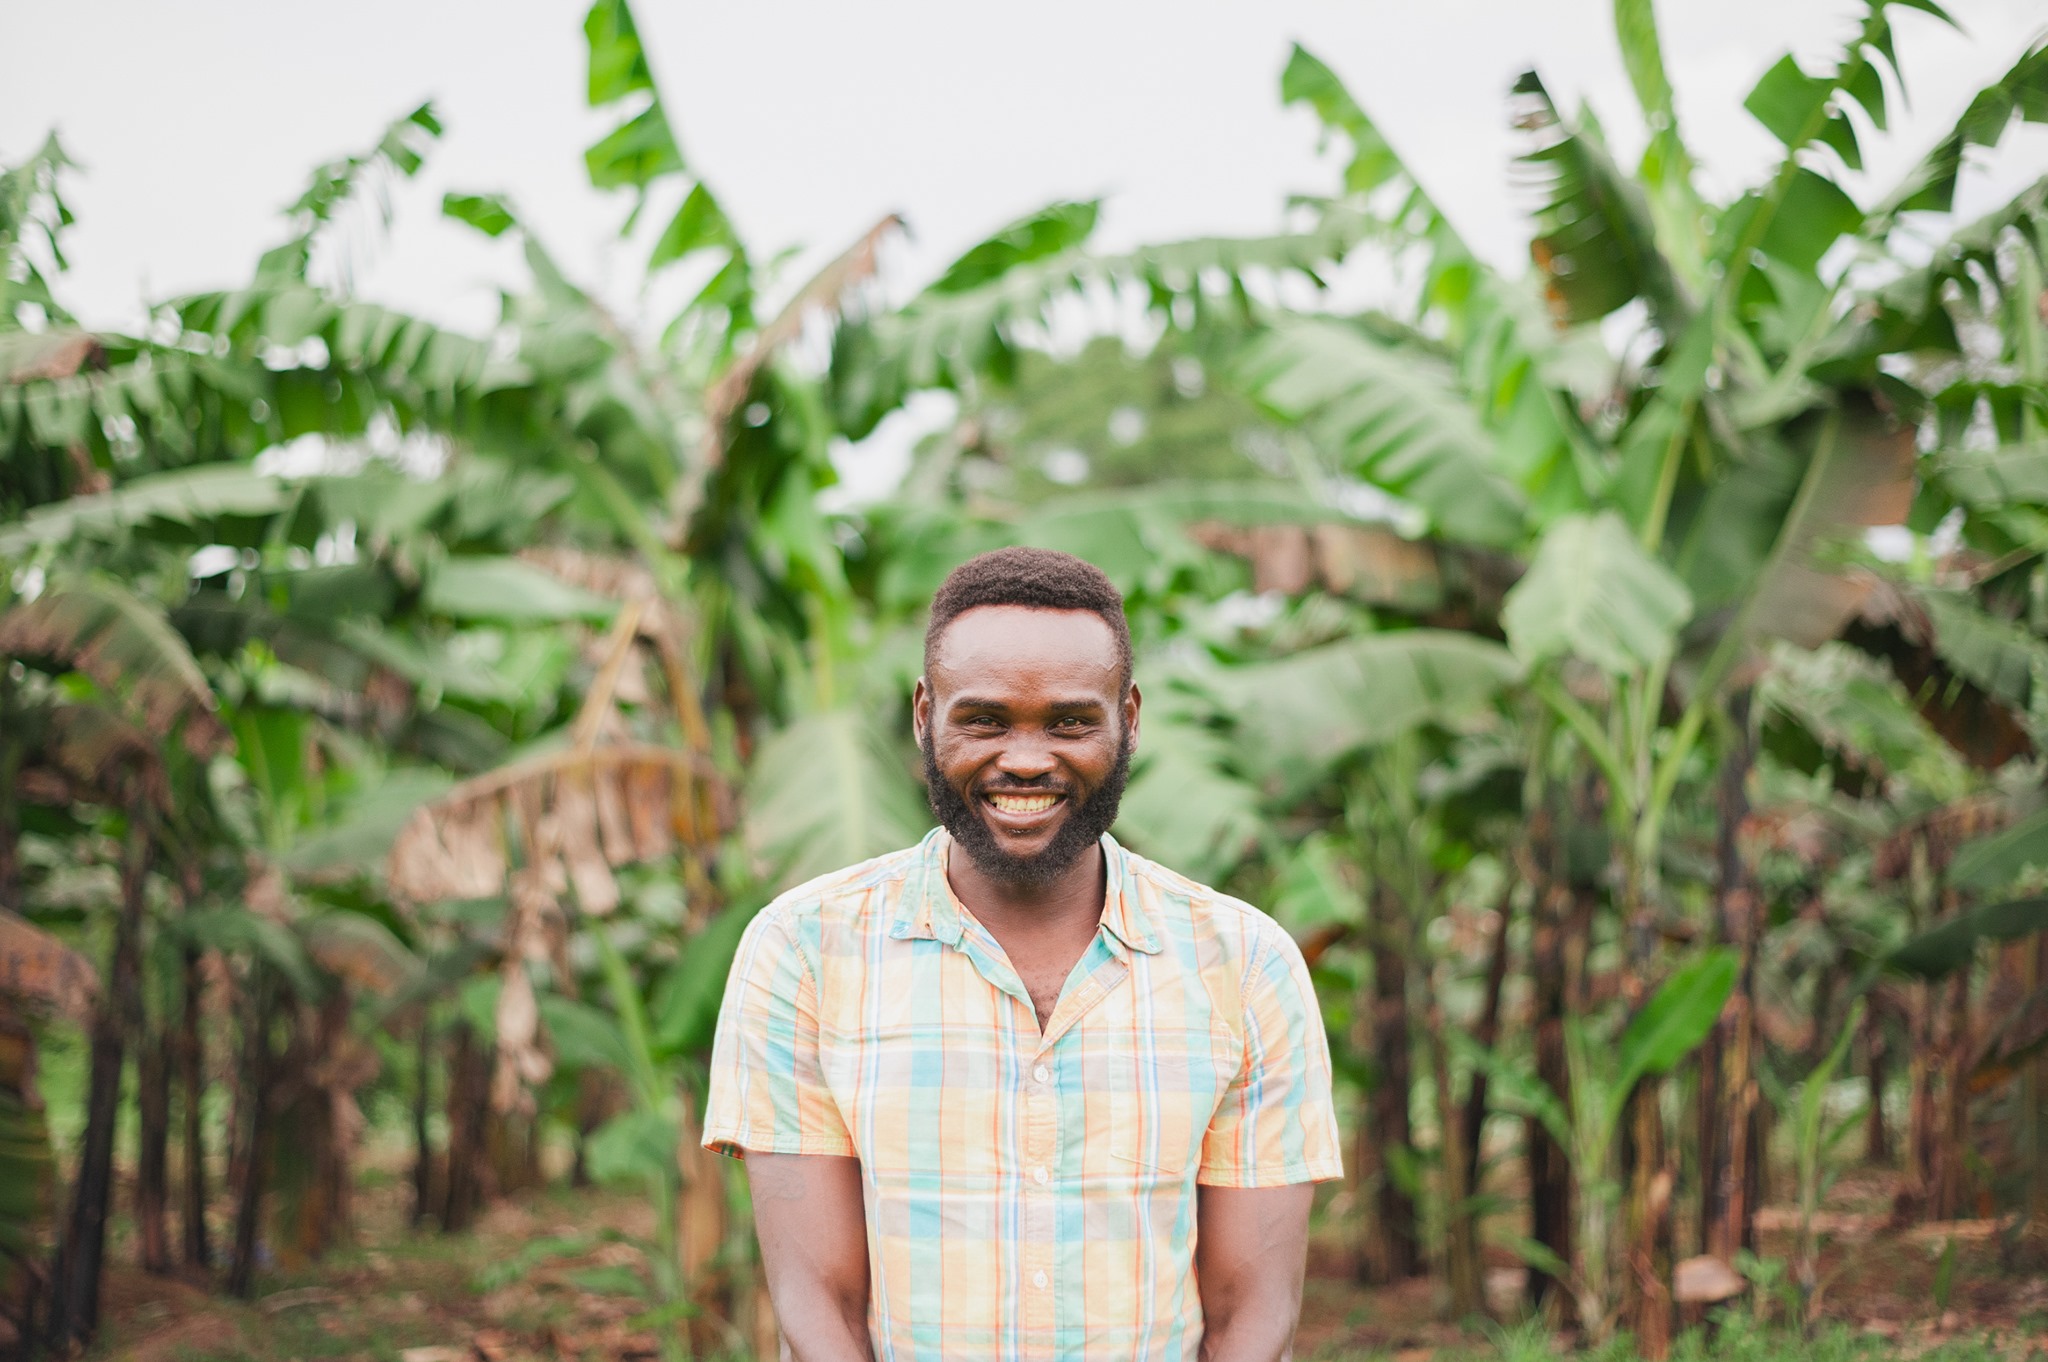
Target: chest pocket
point(1149, 1099)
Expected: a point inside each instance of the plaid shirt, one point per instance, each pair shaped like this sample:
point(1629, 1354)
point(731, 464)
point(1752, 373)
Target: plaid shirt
point(1029, 1196)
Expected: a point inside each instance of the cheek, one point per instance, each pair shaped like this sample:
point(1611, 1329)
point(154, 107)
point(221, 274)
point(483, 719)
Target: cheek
point(1094, 761)
point(958, 759)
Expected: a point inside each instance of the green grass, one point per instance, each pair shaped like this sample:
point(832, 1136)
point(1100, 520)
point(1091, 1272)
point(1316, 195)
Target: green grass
point(1734, 1341)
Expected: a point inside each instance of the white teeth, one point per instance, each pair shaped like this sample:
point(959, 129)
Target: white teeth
point(1011, 803)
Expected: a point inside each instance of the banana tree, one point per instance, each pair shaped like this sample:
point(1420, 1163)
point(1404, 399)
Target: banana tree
point(1677, 510)
point(38, 974)
point(120, 460)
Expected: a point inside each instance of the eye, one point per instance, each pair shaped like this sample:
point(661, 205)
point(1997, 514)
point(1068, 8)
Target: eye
point(1072, 723)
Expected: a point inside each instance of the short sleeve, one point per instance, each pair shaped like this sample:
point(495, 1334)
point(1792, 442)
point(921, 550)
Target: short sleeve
point(767, 1091)
point(1277, 1123)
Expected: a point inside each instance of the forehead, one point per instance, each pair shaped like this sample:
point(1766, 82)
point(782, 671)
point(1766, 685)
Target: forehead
point(1014, 647)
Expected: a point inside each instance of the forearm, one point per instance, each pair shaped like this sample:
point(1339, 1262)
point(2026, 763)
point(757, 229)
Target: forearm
point(817, 1328)
point(1251, 1253)
point(1256, 1331)
point(808, 1220)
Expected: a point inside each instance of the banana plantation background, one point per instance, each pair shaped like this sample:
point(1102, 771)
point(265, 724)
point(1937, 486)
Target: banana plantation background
point(1626, 676)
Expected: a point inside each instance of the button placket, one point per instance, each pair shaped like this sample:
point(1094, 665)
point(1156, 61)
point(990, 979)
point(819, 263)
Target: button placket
point(1041, 1148)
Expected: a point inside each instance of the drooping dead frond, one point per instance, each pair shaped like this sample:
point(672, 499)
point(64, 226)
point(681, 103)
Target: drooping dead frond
point(127, 647)
point(361, 951)
point(1867, 480)
point(26, 356)
point(1895, 624)
point(37, 968)
point(520, 1062)
point(100, 757)
point(825, 293)
point(613, 576)
point(1942, 832)
point(1802, 831)
point(609, 806)
point(1597, 247)
point(537, 830)
point(659, 623)
point(1362, 561)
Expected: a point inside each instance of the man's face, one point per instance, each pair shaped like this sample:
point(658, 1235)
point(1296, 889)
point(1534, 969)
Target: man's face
point(1027, 733)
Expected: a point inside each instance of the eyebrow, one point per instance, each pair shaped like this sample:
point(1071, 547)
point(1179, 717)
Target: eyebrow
point(1057, 706)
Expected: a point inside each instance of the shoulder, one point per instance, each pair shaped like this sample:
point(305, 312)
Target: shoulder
point(838, 901)
point(1222, 931)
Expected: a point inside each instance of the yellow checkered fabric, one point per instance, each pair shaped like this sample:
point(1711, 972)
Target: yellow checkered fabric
point(1029, 1196)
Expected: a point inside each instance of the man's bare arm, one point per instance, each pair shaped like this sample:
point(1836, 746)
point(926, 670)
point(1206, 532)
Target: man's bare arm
point(1251, 1250)
point(814, 1246)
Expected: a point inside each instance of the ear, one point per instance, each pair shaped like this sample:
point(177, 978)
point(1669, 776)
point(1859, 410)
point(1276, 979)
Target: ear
point(1132, 701)
point(920, 710)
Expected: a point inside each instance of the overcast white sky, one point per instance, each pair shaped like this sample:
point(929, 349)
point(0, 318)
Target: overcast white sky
point(196, 120)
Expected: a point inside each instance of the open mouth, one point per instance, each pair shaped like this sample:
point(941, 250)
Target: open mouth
point(1022, 805)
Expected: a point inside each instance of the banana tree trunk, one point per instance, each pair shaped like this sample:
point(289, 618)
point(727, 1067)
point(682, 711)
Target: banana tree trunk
point(512, 1142)
point(469, 1095)
point(1648, 1305)
point(1930, 1158)
point(702, 1238)
point(2033, 1132)
point(11, 756)
point(1728, 1085)
point(1461, 1244)
point(1877, 1145)
point(1916, 1194)
point(192, 1081)
point(81, 1253)
point(152, 1156)
point(1937, 1185)
point(1550, 1173)
point(1487, 1034)
point(1391, 1251)
point(1647, 1300)
point(26, 1159)
point(422, 1103)
point(253, 1137)
point(1952, 1198)
point(317, 1108)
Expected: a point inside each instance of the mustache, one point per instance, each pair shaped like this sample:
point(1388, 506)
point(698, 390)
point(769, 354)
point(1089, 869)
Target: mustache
point(1041, 785)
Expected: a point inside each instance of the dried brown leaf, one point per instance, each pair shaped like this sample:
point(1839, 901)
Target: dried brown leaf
point(106, 758)
point(128, 650)
point(614, 825)
point(825, 293)
point(1943, 831)
point(35, 967)
point(597, 893)
point(51, 355)
point(1706, 1280)
point(648, 802)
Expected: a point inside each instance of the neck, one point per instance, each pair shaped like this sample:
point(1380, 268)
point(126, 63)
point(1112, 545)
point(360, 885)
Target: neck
point(1074, 897)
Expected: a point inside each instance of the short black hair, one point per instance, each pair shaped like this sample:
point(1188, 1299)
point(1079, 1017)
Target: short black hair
point(1037, 579)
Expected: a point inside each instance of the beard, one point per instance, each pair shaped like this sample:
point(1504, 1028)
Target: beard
point(1082, 829)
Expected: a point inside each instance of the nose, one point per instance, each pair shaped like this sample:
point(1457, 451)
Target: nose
point(1026, 757)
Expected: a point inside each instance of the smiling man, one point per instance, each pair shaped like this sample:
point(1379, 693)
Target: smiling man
point(1016, 1094)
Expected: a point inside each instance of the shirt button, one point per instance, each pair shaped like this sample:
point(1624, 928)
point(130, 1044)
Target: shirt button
point(1038, 1279)
point(1041, 1177)
point(1041, 1073)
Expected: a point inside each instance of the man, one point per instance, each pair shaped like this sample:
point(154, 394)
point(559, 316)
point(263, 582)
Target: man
point(1016, 1093)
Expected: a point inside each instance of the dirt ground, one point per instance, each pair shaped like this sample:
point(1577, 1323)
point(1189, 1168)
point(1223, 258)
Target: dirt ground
point(404, 1297)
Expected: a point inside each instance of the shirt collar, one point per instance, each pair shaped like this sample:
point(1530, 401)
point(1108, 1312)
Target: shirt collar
point(928, 910)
